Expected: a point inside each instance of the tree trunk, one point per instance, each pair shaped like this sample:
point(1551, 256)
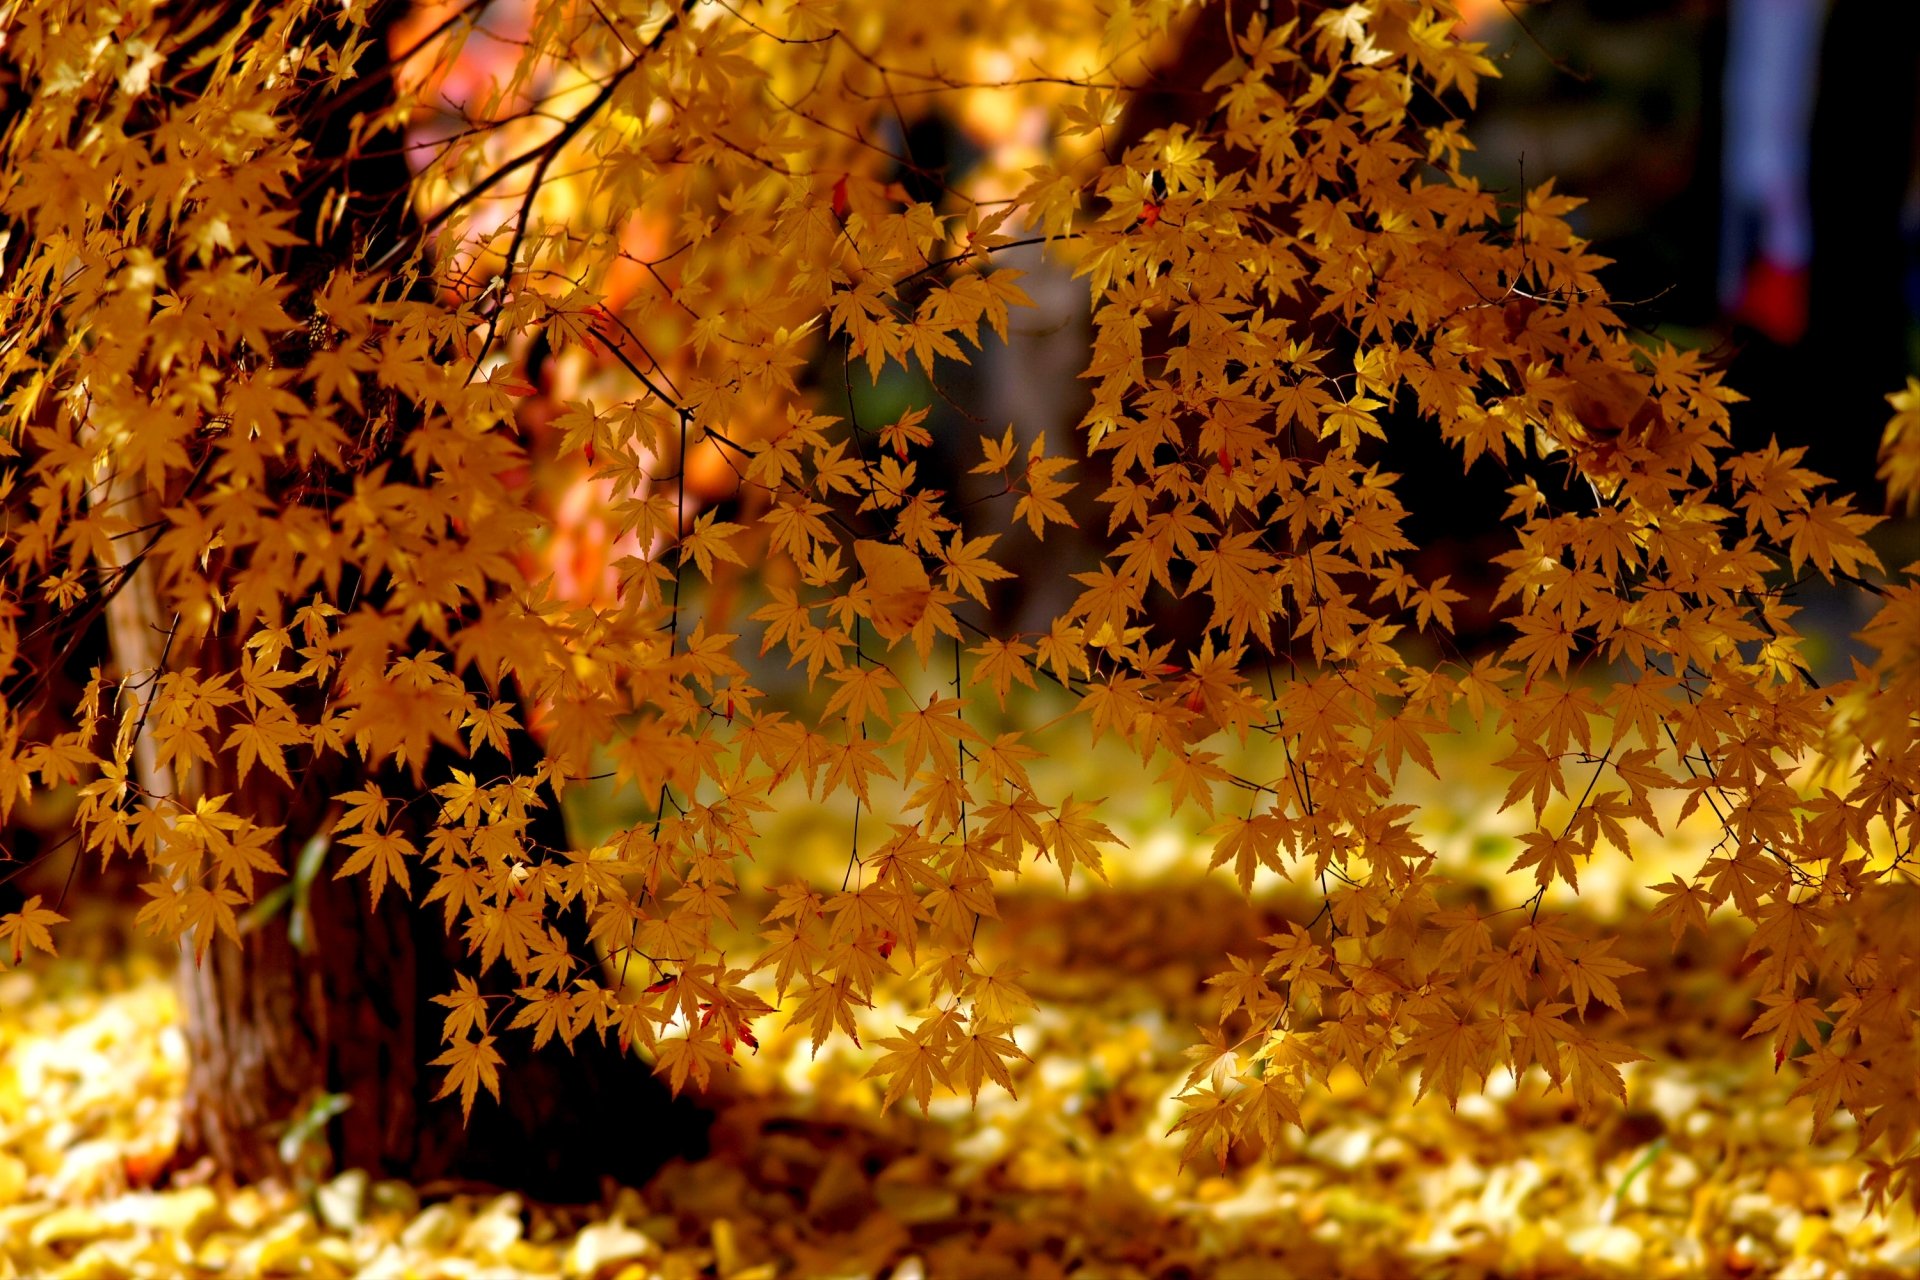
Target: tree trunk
point(273, 1029)
point(328, 997)
point(280, 1025)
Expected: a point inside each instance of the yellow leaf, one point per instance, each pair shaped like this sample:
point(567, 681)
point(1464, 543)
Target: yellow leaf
point(470, 1064)
point(897, 585)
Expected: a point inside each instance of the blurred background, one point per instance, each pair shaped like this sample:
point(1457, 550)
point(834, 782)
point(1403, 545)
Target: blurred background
point(1750, 166)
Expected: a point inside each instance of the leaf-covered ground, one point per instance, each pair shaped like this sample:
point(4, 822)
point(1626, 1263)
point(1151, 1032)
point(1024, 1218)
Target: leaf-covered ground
point(1708, 1171)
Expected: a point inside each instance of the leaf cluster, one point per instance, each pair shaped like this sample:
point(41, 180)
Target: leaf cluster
point(325, 525)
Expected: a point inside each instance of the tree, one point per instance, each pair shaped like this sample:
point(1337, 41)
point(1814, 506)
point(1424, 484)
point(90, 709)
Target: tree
point(687, 216)
point(325, 1001)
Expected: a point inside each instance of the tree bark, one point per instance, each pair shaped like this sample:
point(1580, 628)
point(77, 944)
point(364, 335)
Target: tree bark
point(272, 1028)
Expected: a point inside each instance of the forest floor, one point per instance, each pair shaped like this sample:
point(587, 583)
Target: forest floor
point(1707, 1171)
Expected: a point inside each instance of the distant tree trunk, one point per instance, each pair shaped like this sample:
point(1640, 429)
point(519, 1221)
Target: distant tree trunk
point(274, 1025)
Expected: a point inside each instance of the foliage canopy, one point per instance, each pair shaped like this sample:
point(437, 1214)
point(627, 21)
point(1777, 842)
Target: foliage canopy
point(311, 483)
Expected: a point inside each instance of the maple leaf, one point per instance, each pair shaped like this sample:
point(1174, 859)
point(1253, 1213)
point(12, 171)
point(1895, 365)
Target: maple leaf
point(906, 431)
point(470, 1064)
point(967, 569)
point(1350, 420)
point(1193, 775)
point(1040, 505)
point(491, 725)
point(826, 1006)
point(380, 854)
point(1634, 768)
point(1591, 1066)
point(204, 911)
point(982, 1053)
point(468, 1009)
point(547, 1012)
point(1827, 533)
point(1792, 1019)
point(1242, 985)
point(1537, 775)
point(1468, 934)
point(238, 858)
point(264, 741)
point(710, 540)
point(1789, 931)
point(1834, 1079)
point(504, 930)
point(862, 694)
point(1209, 1118)
point(1002, 663)
point(911, 1066)
point(1453, 1046)
point(1590, 975)
point(690, 1057)
point(1545, 644)
point(28, 927)
point(1072, 835)
point(1248, 843)
point(1551, 857)
point(1684, 906)
point(1433, 603)
point(999, 454)
point(898, 586)
point(997, 995)
point(1536, 1036)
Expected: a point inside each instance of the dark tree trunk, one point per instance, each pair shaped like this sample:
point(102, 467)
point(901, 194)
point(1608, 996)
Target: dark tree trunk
point(273, 1027)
